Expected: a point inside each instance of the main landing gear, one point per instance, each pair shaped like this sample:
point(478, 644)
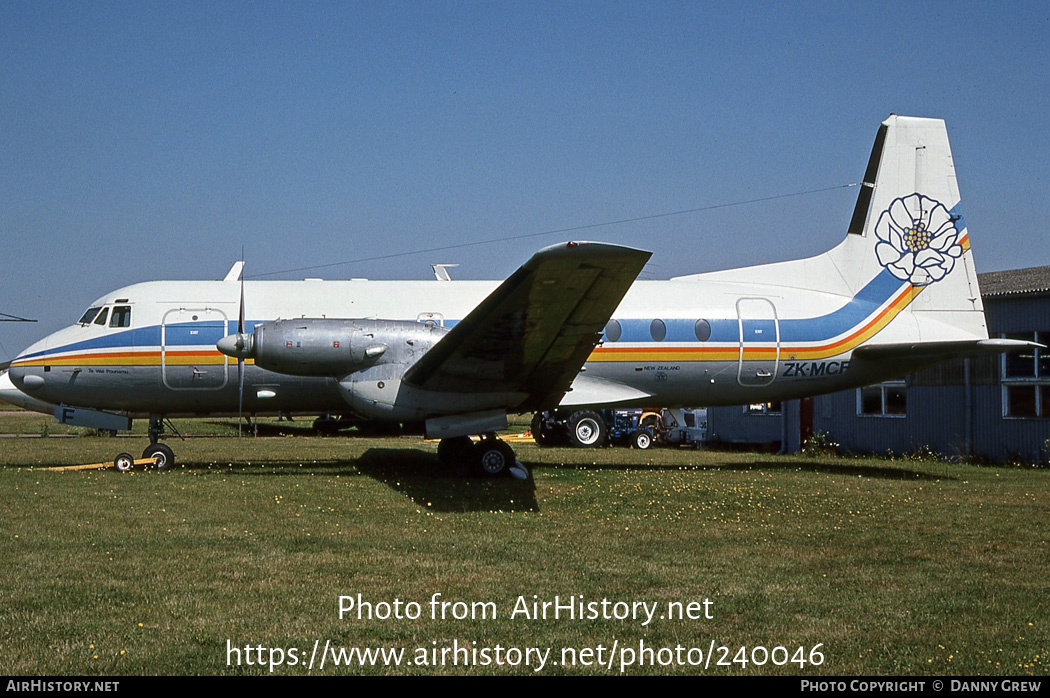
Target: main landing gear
point(488, 457)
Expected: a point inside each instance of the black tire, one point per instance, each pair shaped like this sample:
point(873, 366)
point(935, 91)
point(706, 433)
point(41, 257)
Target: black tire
point(641, 439)
point(163, 457)
point(124, 462)
point(541, 433)
point(493, 457)
point(326, 426)
point(456, 451)
point(587, 429)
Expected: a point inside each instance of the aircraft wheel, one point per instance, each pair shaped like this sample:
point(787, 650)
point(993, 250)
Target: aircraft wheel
point(326, 426)
point(587, 429)
point(493, 457)
point(163, 457)
point(541, 433)
point(455, 451)
point(124, 462)
point(641, 439)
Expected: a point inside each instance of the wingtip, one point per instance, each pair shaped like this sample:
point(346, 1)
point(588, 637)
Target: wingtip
point(592, 249)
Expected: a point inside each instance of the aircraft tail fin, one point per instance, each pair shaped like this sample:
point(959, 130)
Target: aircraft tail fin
point(908, 212)
point(908, 231)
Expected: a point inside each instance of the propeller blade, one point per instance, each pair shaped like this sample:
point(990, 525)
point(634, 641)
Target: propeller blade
point(240, 358)
point(240, 395)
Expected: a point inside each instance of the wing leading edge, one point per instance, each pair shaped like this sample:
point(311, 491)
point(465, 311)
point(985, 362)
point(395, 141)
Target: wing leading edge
point(532, 335)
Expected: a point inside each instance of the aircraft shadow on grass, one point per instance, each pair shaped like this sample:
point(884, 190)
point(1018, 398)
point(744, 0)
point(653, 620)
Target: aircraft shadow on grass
point(417, 475)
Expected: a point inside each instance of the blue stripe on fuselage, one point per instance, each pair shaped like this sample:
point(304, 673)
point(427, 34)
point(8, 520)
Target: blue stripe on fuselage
point(138, 337)
point(867, 301)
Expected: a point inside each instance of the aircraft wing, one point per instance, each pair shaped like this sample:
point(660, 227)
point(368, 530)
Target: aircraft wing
point(532, 335)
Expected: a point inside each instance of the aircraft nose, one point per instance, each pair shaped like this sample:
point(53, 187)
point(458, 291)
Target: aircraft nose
point(23, 380)
point(11, 394)
point(23, 377)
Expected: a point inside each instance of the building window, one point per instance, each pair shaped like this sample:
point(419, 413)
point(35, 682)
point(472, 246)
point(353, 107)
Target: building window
point(884, 400)
point(763, 408)
point(1026, 378)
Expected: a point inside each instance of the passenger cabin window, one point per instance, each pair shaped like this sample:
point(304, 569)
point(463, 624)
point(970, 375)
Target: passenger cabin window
point(121, 316)
point(657, 330)
point(88, 316)
point(702, 328)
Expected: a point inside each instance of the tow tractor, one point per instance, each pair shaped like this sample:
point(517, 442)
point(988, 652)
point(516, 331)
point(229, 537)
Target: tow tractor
point(592, 428)
point(636, 427)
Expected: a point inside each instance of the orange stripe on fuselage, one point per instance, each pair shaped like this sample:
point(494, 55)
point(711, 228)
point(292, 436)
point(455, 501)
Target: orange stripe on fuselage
point(132, 358)
point(757, 353)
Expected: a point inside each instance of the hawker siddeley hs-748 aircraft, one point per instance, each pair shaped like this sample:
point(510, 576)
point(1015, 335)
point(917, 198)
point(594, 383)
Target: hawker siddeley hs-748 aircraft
point(571, 329)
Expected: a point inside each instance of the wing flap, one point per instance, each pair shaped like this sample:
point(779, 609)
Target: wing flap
point(532, 335)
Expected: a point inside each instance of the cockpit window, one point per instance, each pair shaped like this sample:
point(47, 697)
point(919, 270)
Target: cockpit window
point(101, 319)
point(121, 316)
point(88, 316)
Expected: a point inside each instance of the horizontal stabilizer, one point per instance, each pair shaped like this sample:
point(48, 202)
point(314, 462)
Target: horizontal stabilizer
point(939, 351)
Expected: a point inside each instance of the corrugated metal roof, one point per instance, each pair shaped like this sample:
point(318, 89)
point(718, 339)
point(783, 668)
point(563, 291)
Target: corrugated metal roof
point(1033, 280)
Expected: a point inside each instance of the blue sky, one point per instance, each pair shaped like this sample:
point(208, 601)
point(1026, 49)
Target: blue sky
point(153, 140)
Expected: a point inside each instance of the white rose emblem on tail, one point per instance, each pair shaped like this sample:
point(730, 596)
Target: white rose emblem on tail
point(918, 241)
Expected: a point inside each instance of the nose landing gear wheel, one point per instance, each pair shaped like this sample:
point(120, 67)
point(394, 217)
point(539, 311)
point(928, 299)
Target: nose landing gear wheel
point(163, 457)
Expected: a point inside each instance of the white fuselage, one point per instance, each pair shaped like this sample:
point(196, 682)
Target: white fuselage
point(695, 341)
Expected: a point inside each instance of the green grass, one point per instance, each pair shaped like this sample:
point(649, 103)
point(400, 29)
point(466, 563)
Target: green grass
point(904, 568)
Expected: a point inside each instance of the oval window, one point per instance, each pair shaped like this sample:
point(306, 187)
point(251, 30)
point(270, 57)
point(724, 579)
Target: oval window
point(657, 330)
point(703, 330)
point(613, 331)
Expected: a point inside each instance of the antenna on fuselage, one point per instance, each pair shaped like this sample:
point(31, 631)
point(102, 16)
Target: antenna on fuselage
point(441, 271)
point(236, 272)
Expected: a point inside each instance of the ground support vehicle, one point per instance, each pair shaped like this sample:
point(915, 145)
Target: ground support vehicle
point(635, 427)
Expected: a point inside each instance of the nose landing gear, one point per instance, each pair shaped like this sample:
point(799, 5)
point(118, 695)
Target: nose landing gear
point(157, 455)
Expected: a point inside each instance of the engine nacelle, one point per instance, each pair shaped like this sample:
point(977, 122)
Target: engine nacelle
point(328, 347)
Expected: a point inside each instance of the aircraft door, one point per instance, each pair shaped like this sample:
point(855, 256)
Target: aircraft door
point(188, 357)
point(759, 341)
